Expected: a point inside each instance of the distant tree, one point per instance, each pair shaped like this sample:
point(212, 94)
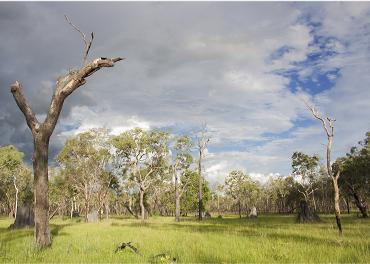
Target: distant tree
point(15, 179)
point(241, 188)
point(306, 170)
point(84, 160)
point(189, 200)
point(41, 131)
point(141, 156)
point(181, 163)
point(355, 174)
point(202, 142)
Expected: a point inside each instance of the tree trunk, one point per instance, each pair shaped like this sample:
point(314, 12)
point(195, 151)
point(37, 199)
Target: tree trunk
point(87, 207)
point(336, 204)
point(142, 208)
point(41, 187)
point(107, 210)
point(361, 204)
point(177, 194)
point(346, 201)
point(16, 198)
point(314, 201)
point(200, 202)
point(239, 209)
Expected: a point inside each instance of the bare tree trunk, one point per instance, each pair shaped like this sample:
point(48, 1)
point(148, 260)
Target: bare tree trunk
point(335, 183)
point(177, 194)
point(142, 208)
point(314, 201)
point(336, 204)
point(200, 195)
point(41, 187)
point(16, 198)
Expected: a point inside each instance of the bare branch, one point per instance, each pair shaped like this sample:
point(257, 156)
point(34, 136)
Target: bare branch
point(30, 116)
point(70, 83)
point(318, 116)
point(87, 42)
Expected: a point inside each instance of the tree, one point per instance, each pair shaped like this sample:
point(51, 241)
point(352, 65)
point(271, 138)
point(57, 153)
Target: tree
point(328, 126)
point(141, 155)
point(84, 159)
point(41, 131)
point(181, 163)
point(241, 188)
point(189, 201)
point(306, 169)
point(355, 174)
point(14, 178)
point(202, 145)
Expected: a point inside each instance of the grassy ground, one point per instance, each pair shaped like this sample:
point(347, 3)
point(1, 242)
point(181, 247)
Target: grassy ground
point(270, 238)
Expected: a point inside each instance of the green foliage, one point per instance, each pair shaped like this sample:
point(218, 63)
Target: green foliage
point(305, 166)
point(355, 169)
point(14, 171)
point(189, 200)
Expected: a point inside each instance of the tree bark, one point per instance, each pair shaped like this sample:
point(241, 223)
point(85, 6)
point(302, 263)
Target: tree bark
point(41, 188)
point(336, 203)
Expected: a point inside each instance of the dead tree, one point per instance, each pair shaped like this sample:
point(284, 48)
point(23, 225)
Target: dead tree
point(328, 125)
point(41, 131)
point(202, 145)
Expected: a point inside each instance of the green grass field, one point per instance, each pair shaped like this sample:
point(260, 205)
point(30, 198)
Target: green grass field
point(270, 238)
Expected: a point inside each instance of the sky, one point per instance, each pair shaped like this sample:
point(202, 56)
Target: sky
point(244, 68)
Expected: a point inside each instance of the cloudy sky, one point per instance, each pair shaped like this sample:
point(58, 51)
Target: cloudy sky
point(241, 67)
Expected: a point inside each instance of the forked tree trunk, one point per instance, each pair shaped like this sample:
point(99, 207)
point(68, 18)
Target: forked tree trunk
point(41, 133)
point(41, 187)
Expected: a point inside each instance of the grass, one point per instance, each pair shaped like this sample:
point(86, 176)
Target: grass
point(270, 238)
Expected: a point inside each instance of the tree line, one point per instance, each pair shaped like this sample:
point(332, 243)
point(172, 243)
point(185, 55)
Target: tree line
point(143, 173)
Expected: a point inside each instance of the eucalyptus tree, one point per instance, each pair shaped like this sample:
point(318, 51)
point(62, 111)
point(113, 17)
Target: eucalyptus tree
point(142, 155)
point(85, 159)
point(181, 163)
point(42, 131)
point(328, 126)
point(306, 171)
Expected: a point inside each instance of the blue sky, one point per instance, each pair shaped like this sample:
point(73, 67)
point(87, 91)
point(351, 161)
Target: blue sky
point(242, 67)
